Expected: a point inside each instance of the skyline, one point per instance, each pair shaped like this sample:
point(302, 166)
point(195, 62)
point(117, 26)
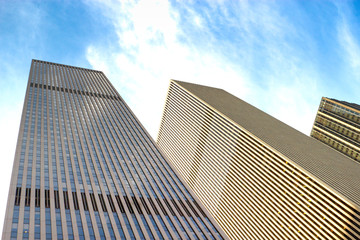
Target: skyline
point(279, 60)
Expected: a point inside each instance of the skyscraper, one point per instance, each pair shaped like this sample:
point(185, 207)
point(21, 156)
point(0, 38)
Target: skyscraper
point(86, 168)
point(337, 124)
point(258, 177)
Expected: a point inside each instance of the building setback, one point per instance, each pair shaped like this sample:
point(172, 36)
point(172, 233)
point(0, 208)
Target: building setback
point(85, 168)
point(258, 177)
point(337, 124)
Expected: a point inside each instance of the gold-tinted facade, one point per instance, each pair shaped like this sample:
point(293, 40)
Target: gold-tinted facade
point(258, 177)
point(337, 124)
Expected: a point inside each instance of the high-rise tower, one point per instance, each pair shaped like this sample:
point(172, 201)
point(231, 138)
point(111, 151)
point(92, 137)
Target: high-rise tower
point(337, 124)
point(258, 177)
point(85, 168)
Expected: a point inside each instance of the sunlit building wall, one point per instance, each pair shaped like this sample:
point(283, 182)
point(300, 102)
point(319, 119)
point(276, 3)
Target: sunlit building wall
point(258, 177)
point(337, 124)
point(85, 168)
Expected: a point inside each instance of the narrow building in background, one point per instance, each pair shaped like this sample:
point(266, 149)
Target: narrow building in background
point(85, 168)
point(337, 124)
point(258, 177)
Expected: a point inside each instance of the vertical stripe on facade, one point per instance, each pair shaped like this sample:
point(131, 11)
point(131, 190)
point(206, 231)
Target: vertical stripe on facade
point(86, 168)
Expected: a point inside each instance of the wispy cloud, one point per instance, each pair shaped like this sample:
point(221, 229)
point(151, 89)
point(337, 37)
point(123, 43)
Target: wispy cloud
point(349, 44)
point(153, 48)
point(251, 49)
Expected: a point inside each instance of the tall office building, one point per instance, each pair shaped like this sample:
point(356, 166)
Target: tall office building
point(258, 177)
point(337, 124)
point(85, 168)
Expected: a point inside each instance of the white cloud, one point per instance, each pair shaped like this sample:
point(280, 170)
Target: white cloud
point(151, 54)
point(256, 61)
point(350, 45)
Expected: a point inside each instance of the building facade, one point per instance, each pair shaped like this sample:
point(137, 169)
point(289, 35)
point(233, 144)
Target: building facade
point(258, 177)
point(337, 124)
point(85, 168)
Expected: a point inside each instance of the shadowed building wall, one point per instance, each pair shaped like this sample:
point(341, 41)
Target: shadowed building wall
point(258, 177)
point(85, 168)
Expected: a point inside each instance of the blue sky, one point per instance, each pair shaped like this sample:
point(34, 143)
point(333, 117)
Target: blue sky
point(280, 56)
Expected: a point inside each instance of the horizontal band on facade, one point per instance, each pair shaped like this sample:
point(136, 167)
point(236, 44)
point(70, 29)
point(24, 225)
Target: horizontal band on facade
point(253, 190)
point(124, 203)
point(90, 94)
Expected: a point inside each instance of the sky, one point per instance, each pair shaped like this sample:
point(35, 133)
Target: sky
point(281, 56)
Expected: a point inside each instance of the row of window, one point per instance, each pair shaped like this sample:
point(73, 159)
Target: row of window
point(332, 131)
point(132, 204)
point(342, 111)
point(337, 145)
point(339, 127)
point(74, 91)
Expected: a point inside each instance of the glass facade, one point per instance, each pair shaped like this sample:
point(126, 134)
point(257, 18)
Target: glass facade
point(85, 168)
